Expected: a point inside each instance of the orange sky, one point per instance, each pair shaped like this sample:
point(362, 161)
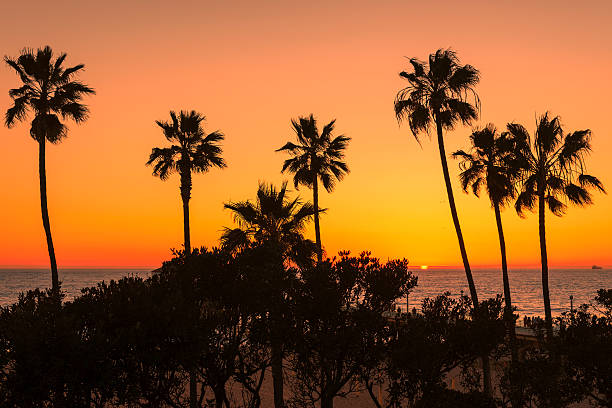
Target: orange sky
point(252, 66)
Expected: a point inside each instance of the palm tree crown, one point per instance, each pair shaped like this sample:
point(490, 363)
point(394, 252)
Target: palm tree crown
point(273, 218)
point(439, 90)
point(316, 155)
point(49, 90)
point(490, 163)
point(193, 151)
point(553, 166)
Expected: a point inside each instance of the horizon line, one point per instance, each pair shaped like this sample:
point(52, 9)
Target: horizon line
point(415, 266)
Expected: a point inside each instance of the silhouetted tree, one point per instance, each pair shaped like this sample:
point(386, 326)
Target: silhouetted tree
point(553, 174)
point(194, 152)
point(586, 344)
point(316, 157)
point(273, 219)
point(428, 346)
point(491, 164)
point(277, 222)
point(142, 332)
point(441, 93)
point(339, 312)
point(49, 90)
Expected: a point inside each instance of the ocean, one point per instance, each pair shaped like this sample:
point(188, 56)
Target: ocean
point(525, 284)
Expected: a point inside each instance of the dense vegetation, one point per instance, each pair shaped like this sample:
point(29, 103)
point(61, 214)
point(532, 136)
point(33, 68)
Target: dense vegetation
point(205, 328)
point(134, 342)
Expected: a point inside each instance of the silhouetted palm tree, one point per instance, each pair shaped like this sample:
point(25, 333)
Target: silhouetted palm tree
point(553, 174)
point(274, 220)
point(194, 152)
point(316, 157)
point(441, 93)
point(49, 90)
point(491, 164)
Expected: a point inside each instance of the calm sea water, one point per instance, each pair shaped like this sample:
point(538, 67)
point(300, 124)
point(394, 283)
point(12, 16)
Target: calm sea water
point(525, 284)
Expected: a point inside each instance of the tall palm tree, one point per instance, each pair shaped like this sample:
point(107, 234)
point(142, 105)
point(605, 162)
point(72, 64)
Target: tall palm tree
point(192, 151)
point(441, 92)
point(275, 220)
point(316, 157)
point(553, 175)
point(491, 164)
point(49, 91)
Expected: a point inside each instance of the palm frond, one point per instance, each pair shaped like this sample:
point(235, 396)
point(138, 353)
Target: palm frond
point(525, 201)
point(587, 181)
point(164, 161)
point(555, 205)
point(577, 194)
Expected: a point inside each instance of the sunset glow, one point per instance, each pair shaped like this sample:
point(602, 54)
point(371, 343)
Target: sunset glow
point(250, 72)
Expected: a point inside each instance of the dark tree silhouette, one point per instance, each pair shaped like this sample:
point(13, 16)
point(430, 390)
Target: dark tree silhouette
point(491, 164)
point(277, 222)
point(316, 157)
point(553, 174)
point(273, 218)
point(441, 93)
point(340, 312)
point(194, 152)
point(50, 91)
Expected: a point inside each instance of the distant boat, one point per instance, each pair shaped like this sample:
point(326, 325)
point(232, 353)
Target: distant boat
point(596, 267)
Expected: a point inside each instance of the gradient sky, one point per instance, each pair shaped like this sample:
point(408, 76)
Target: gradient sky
point(252, 66)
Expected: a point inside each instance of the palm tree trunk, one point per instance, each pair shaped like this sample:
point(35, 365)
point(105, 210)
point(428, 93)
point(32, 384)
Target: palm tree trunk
point(185, 196)
point(220, 396)
point(486, 367)
point(42, 172)
point(315, 193)
point(507, 297)
point(508, 313)
point(327, 402)
point(453, 208)
point(544, 259)
point(186, 230)
point(277, 372)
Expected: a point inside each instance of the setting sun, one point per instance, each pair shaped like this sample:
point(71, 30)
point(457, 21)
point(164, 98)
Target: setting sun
point(424, 267)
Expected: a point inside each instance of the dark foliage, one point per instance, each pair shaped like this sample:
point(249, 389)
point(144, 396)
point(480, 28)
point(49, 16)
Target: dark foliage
point(340, 313)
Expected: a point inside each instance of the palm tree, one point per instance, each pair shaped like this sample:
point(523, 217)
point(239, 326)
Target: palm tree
point(274, 220)
point(491, 163)
point(438, 93)
point(441, 93)
point(192, 151)
point(553, 175)
point(49, 90)
point(316, 157)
